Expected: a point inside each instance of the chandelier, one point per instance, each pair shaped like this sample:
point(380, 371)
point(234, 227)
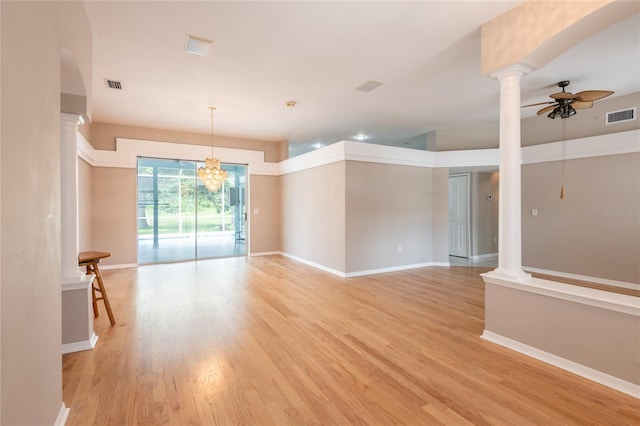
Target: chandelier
point(212, 175)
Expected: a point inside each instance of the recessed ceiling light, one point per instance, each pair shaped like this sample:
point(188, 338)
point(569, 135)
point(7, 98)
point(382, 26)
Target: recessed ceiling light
point(361, 137)
point(368, 86)
point(317, 145)
point(197, 46)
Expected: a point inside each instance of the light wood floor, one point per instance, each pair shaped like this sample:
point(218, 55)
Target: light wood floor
point(269, 341)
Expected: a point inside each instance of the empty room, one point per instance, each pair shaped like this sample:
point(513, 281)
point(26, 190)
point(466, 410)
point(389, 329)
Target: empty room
point(309, 212)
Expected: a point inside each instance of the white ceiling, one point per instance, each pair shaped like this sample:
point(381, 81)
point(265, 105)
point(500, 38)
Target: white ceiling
point(426, 54)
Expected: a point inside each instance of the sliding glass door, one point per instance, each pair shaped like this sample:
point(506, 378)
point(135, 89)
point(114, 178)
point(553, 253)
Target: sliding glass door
point(179, 219)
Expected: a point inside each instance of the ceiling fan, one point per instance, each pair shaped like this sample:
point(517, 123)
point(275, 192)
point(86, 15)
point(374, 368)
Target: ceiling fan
point(565, 104)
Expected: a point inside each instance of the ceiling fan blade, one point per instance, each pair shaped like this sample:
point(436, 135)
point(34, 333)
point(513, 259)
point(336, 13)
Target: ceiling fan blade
point(581, 104)
point(593, 95)
point(546, 109)
point(563, 95)
point(539, 103)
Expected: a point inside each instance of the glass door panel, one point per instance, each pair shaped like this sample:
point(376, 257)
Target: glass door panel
point(221, 224)
point(166, 210)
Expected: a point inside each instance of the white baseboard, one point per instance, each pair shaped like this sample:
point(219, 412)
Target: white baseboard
point(394, 269)
point(605, 281)
point(363, 272)
point(264, 253)
point(62, 416)
point(84, 345)
point(565, 364)
point(315, 265)
point(484, 256)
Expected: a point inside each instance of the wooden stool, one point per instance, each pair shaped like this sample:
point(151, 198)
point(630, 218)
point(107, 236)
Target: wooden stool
point(90, 259)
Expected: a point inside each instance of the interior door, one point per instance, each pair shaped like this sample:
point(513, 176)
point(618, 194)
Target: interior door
point(459, 226)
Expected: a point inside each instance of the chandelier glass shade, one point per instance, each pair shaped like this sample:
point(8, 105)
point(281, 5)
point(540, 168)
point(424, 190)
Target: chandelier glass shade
point(211, 174)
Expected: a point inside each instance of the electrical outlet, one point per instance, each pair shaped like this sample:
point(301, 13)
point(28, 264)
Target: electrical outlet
point(534, 212)
point(399, 248)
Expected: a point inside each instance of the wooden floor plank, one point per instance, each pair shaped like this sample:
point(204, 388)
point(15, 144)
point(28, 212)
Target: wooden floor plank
point(270, 341)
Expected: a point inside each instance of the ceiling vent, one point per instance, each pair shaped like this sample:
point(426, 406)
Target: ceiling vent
point(620, 116)
point(197, 45)
point(113, 84)
point(368, 86)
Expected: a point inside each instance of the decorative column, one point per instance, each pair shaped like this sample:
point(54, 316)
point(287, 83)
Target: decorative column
point(77, 313)
point(510, 208)
point(69, 196)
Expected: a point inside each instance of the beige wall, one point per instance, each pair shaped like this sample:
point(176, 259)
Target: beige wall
point(103, 136)
point(313, 215)
point(605, 340)
point(113, 214)
point(264, 214)
point(595, 231)
point(440, 215)
point(33, 36)
point(484, 213)
point(389, 212)
point(85, 242)
point(352, 216)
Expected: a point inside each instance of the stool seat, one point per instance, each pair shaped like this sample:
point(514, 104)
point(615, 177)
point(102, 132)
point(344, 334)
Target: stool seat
point(90, 260)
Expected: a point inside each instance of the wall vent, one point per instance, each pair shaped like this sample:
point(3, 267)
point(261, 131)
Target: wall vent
point(113, 84)
point(620, 116)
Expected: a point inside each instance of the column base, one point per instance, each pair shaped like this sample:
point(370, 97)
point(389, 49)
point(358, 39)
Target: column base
point(517, 275)
point(77, 314)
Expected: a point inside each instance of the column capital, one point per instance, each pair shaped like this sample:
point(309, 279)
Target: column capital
point(70, 119)
point(519, 70)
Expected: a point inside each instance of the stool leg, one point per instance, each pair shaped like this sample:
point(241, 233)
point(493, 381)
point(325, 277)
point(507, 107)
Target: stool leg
point(93, 294)
point(105, 298)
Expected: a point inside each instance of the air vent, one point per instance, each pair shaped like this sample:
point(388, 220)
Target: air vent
point(197, 45)
point(113, 84)
point(621, 116)
point(368, 86)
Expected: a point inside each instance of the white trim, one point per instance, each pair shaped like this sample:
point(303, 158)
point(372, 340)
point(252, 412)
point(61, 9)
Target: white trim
point(263, 253)
point(484, 256)
point(586, 296)
point(394, 269)
point(605, 281)
point(593, 146)
point(565, 364)
point(127, 151)
point(468, 158)
point(329, 154)
point(63, 414)
point(315, 265)
point(83, 345)
point(82, 283)
point(363, 272)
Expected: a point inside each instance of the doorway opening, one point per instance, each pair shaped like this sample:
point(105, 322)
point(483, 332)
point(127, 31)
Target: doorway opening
point(178, 219)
